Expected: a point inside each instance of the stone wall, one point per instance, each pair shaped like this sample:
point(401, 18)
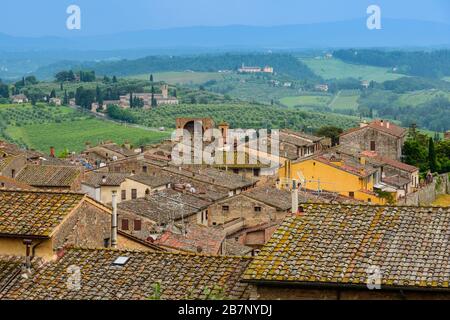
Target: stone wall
point(385, 144)
point(428, 194)
point(13, 168)
point(241, 206)
point(87, 227)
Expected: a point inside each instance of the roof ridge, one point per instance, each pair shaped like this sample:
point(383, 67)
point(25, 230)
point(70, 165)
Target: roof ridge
point(161, 252)
point(374, 205)
point(42, 191)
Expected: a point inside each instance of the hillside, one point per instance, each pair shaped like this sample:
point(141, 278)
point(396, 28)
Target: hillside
point(40, 127)
point(282, 63)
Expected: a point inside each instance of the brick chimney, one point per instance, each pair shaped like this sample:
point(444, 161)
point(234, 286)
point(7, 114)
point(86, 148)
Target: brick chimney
point(52, 152)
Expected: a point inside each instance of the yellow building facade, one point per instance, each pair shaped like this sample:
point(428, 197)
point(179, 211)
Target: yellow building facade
point(332, 176)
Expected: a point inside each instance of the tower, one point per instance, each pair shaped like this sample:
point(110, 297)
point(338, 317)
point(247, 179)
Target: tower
point(165, 91)
point(223, 127)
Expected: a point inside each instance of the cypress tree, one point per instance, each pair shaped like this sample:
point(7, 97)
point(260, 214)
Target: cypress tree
point(66, 99)
point(432, 156)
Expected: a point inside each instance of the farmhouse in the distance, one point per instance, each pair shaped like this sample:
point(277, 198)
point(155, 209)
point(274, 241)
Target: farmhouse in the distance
point(162, 98)
point(245, 69)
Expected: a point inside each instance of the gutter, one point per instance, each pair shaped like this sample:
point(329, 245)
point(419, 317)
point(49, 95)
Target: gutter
point(337, 286)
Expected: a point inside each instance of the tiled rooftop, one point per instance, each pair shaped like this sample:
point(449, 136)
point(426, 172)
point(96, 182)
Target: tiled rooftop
point(152, 180)
point(373, 156)
point(97, 179)
point(336, 244)
point(193, 238)
point(9, 267)
point(181, 276)
point(165, 206)
point(346, 163)
point(383, 126)
point(29, 213)
point(49, 176)
point(213, 176)
point(5, 161)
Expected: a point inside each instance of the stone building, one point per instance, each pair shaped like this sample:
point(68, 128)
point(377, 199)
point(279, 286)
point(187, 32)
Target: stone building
point(348, 252)
point(100, 185)
point(147, 218)
point(383, 137)
point(104, 153)
point(160, 99)
point(255, 206)
point(11, 165)
point(38, 224)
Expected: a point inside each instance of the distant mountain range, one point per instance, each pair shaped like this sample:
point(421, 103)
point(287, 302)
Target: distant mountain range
point(394, 33)
point(26, 55)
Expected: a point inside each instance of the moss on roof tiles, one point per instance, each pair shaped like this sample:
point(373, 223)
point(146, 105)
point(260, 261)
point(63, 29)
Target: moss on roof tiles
point(336, 244)
point(181, 276)
point(30, 213)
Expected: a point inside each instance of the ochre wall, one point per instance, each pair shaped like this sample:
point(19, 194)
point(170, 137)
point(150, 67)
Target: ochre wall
point(331, 179)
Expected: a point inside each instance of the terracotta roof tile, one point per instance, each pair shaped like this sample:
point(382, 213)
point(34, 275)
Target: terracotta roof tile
point(49, 176)
point(29, 213)
point(151, 180)
point(194, 237)
point(336, 244)
point(165, 206)
point(97, 179)
point(9, 267)
point(383, 126)
point(390, 162)
point(181, 276)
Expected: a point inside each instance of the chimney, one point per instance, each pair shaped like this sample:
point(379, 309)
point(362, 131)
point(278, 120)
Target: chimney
point(388, 124)
point(382, 123)
point(363, 124)
point(362, 160)
point(294, 193)
point(103, 179)
point(114, 220)
point(52, 152)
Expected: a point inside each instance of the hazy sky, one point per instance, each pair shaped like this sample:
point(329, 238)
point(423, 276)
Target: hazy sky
point(48, 17)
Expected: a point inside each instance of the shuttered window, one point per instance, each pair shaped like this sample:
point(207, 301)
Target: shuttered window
point(137, 225)
point(124, 224)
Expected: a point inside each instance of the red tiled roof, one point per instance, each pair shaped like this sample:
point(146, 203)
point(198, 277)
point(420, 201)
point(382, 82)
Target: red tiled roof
point(381, 125)
point(390, 162)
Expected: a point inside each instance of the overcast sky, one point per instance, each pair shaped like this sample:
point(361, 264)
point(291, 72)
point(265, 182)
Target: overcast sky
point(48, 17)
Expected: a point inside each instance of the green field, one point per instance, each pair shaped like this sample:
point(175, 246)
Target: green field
point(307, 100)
point(180, 77)
point(418, 97)
point(62, 127)
point(345, 100)
point(337, 69)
